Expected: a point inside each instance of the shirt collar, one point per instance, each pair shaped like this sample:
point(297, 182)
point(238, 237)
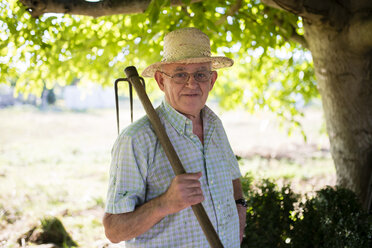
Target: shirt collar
point(175, 118)
point(209, 115)
point(181, 123)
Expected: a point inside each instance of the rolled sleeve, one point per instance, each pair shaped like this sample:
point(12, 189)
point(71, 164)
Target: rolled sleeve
point(128, 172)
point(235, 171)
point(234, 168)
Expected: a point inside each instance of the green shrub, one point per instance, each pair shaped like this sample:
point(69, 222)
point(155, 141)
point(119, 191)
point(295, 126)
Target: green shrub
point(333, 218)
point(269, 214)
point(50, 231)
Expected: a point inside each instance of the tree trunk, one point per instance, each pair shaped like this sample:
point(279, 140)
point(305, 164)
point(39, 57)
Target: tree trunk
point(344, 77)
point(339, 36)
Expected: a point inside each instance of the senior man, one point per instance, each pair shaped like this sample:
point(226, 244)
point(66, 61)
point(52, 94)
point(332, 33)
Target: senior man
point(147, 205)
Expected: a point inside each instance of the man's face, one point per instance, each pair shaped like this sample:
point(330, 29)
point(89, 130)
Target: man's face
point(190, 97)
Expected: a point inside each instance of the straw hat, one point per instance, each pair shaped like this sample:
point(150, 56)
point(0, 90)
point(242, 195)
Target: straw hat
point(186, 46)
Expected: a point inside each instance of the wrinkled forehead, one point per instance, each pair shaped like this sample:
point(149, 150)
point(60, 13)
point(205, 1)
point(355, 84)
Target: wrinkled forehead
point(174, 67)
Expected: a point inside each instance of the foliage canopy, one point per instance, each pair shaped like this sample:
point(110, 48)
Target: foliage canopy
point(271, 70)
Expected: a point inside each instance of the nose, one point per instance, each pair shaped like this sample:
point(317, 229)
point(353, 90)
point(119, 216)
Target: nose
point(192, 83)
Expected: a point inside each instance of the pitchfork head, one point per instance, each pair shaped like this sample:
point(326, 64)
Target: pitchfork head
point(130, 98)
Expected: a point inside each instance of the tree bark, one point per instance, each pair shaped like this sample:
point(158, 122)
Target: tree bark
point(345, 84)
point(95, 9)
point(339, 36)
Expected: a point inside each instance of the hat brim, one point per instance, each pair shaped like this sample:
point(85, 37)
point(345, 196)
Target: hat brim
point(218, 62)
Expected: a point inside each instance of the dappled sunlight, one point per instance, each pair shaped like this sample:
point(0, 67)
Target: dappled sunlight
point(56, 163)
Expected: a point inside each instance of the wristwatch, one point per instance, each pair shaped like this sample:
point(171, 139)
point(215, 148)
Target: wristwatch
point(242, 202)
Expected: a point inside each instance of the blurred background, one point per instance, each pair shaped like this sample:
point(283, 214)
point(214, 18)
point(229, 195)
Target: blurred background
point(58, 63)
point(55, 156)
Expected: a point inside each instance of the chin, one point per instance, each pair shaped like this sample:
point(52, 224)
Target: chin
point(191, 111)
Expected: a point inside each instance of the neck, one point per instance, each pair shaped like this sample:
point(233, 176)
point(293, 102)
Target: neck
point(194, 118)
point(197, 125)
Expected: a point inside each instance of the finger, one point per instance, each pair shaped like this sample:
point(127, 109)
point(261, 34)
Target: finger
point(196, 199)
point(192, 176)
point(197, 175)
point(196, 192)
point(189, 180)
point(193, 184)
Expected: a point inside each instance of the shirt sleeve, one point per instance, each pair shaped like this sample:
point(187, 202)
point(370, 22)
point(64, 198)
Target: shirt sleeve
point(235, 170)
point(128, 171)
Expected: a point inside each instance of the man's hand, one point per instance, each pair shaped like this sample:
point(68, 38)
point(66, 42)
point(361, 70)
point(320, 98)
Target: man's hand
point(184, 191)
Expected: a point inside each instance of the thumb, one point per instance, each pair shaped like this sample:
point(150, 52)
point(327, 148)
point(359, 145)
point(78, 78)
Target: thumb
point(198, 174)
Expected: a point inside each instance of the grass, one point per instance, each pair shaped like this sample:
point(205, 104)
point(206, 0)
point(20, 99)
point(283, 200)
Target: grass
point(56, 163)
point(303, 177)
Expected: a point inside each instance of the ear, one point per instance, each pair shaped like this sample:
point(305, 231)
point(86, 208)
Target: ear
point(159, 79)
point(213, 79)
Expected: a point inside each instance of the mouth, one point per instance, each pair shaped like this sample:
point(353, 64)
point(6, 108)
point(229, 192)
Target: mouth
point(191, 94)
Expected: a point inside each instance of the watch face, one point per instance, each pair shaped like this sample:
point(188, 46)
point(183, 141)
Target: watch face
point(242, 202)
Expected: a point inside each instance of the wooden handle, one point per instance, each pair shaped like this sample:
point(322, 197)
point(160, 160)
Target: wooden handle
point(198, 209)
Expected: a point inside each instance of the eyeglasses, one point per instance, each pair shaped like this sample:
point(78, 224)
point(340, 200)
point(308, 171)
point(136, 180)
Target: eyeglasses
point(183, 77)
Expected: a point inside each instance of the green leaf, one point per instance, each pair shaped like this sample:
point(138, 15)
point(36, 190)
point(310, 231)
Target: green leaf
point(154, 9)
point(270, 72)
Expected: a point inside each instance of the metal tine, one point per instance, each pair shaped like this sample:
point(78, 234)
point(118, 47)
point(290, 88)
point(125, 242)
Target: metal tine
point(130, 99)
point(117, 100)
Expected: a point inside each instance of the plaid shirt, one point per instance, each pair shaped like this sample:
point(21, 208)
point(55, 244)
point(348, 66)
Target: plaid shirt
point(140, 171)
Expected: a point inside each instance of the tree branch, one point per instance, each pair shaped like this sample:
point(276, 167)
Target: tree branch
point(360, 34)
point(95, 9)
point(299, 39)
point(292, 34)
point(234, 8)
point(325, 11)
point(292, 6)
